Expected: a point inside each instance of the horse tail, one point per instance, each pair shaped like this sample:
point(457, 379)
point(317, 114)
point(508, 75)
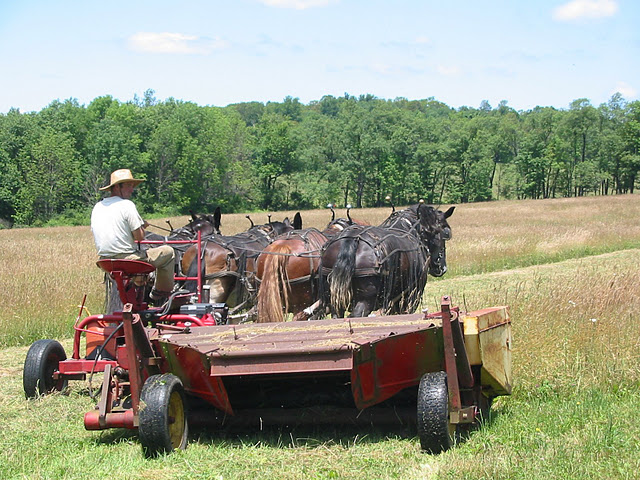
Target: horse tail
point(273, 294)
point(341, 275)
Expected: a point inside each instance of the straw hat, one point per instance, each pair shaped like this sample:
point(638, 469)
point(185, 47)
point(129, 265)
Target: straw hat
point(121, 176)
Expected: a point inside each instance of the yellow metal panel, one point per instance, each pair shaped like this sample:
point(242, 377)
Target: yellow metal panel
point(487, 335)
point(472, 339)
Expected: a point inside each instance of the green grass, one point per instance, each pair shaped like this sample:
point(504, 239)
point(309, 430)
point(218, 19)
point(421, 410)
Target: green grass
point(572, 413)
point(550, 433)
point(576, 367)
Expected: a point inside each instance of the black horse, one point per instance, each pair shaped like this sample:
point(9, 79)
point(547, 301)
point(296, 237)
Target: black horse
point(368, 268)
point(205, 224)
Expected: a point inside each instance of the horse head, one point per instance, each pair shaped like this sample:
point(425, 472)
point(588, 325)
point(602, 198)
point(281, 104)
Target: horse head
point(205, 224)
point(273, 229)
point(434, 232)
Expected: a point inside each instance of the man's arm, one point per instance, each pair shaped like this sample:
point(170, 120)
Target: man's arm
point(138, 234)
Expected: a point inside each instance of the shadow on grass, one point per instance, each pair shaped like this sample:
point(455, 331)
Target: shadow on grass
point(299, 436)
point(318, 428)
point(300, 428)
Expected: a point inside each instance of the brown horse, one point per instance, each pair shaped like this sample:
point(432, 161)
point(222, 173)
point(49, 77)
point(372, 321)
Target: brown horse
point(287, 272)
point(385, 267)
point(228, 262)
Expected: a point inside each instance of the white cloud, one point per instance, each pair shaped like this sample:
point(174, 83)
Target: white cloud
point(297, 4)
point(580, 9)
point(422, 40)
point(626, 90)
point(178, 43)
point(446, 70)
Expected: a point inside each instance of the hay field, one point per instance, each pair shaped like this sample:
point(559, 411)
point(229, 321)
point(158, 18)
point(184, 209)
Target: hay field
point(568, 269)
point(45, 272)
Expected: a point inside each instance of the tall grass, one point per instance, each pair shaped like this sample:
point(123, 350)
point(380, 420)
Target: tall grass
point(44, 272)
point(576, 361)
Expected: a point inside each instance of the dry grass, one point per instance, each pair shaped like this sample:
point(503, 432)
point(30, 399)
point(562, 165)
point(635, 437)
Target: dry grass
point(502, 235)
point(43, 276)
point(576, 360)
point(573, 319)
point(45, 271)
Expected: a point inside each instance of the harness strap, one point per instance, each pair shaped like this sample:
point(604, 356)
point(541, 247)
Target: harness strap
point(226, 273)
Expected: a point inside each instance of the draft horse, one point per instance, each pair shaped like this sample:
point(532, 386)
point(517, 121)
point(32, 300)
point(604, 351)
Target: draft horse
point(287, 272)
point(205, 224)
point(366, 268)
point(228, 262)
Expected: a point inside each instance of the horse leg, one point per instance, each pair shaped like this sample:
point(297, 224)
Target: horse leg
point(365, 292)
point(220, 289)
point(362, 308)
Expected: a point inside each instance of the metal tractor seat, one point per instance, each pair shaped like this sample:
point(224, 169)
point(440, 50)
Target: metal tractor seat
point(123, 273)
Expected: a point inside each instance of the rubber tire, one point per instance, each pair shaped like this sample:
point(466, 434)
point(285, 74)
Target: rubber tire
point(163, 424)
point(41, 362)
point(433, 425)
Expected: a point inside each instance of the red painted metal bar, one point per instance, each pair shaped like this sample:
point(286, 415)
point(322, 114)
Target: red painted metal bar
point(124, 419)
point(80, 327)
point(134, 369)
point(78, 369)
point(450, 355)
point(198, 242)
point(199, 253)
point(182, 317)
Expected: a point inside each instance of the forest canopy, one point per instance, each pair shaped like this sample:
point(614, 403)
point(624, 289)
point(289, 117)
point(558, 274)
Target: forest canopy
point(288, 155)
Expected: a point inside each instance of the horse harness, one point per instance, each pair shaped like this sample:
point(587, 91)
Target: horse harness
point(379, 244)
point(313, 241)
point(240, 248)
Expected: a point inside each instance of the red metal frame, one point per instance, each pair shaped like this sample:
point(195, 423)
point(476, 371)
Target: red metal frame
point(378, 357)
point(77, 367)
point(197, 241)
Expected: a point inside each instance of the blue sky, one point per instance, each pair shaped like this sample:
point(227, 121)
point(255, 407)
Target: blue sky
point(217, 52)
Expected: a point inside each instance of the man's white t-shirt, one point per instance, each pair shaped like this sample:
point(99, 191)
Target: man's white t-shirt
point(112, 221)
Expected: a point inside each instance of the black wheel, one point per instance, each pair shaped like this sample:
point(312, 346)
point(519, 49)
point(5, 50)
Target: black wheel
point(42, 361)
point(435, 432)
point(163, 416)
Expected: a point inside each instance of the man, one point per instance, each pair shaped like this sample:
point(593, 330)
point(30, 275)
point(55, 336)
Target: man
point(117, 226)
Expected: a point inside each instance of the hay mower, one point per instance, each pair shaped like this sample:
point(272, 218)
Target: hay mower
point(438, 372)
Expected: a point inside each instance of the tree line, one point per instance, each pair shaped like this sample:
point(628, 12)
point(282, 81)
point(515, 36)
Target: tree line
point(288, 155)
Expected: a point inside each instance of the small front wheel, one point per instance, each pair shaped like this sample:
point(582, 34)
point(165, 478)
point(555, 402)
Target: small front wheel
point(435, 432)
point(163, 416)
point(40, 365)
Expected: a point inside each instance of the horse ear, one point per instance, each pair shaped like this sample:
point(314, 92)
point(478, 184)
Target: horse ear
point(193, 216)
point(449, 212)
point(217, 215)
point(297, 222)
point(286, 221)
